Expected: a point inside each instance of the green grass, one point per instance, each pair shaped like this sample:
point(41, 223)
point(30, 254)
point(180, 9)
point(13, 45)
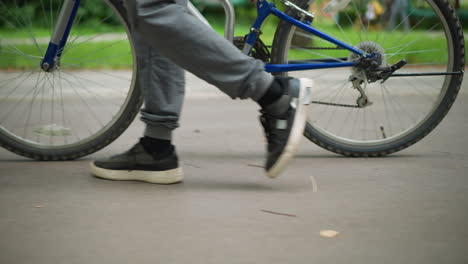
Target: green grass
point(107, 54)
point(82, 29)
point(391, 43)
point(114, 54)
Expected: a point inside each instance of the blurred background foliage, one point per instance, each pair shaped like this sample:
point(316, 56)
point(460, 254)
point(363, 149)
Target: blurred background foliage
point(37, 12)
point(92, 12)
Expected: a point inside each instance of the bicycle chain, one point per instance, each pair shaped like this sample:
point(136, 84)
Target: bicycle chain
point(328, 103)
point(335, 104)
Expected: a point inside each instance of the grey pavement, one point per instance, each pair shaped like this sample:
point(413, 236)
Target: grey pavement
point(410, 207)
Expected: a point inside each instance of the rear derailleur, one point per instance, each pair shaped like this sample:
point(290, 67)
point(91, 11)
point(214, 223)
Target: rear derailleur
point(373, 68)
point(369, 70)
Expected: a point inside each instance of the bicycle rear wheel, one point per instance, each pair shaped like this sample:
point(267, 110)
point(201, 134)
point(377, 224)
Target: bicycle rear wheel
point(81, 106)
point(404, 109)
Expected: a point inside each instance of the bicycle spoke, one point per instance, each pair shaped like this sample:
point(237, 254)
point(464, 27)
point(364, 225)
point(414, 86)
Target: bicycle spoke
point(107, 74)
point(73, 44)
point(62, 104)
point(340, 94)
point(39, 109)
point(15, 88)
point(75, 76)
point(344, 123)
point(37, 58)
point(318, 54)
point(404, 36)
point(7, 114)
point(75, 63)
point(361, 23)
point(97, 96)
point(32, 59)
point(328, 97)
point(407, 45)
point(395, 98)
point(100, 49)
point(332, 94)
point(7, 81)
point(389, 105)
point(28, 27)
point(429, 98)
point(71, 39)
point(93, 113)
point(85, 124)
point(52, 112)
point(36, 92)
point(410, 52)
point(396, 27)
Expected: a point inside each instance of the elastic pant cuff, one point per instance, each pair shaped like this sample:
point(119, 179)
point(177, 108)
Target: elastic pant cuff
point(263, 83)
point(158, 132)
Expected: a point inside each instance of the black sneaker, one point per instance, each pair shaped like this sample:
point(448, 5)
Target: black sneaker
point(284, 131)
point(137, 164)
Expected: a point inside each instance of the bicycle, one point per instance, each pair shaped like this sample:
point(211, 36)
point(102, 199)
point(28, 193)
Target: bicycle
point(374, 93)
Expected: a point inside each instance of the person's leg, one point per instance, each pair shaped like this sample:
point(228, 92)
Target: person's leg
point(194, 46)
point(153, 159)
point(163, 84)
point(189, 43)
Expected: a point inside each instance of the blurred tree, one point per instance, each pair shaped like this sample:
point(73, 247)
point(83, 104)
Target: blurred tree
point(39, 13)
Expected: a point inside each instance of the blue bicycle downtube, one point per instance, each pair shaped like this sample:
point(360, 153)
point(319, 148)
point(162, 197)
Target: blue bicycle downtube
point(64, 39)
point(306, 66)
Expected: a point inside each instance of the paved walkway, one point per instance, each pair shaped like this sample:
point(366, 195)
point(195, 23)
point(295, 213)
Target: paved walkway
point(406, 208)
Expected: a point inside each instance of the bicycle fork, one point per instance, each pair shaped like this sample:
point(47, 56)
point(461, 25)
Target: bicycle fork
point(60, 35)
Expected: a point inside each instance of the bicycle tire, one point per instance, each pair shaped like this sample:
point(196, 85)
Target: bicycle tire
point(75, 132)
point(356, 144)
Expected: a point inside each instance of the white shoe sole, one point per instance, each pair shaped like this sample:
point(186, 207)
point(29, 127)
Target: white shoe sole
point(159, 177)
point(297, 129)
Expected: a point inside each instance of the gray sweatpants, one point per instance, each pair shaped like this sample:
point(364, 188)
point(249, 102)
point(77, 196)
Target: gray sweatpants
point(168, 39)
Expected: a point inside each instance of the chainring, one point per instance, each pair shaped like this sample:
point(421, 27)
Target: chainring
point(259, 50)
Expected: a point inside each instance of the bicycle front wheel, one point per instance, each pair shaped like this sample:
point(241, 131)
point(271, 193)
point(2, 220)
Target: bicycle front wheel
point(398, 112)
point(86, 101)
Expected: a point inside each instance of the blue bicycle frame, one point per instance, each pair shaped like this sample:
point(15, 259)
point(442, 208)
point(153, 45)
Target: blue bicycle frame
point(264, 9)
point(60, 35)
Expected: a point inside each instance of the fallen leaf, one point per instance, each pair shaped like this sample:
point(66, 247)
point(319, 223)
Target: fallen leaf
point(271, 212)
point(314, 184)
point(328, 233)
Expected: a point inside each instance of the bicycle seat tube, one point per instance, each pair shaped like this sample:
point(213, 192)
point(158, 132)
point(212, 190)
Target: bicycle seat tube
point(229, 20)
